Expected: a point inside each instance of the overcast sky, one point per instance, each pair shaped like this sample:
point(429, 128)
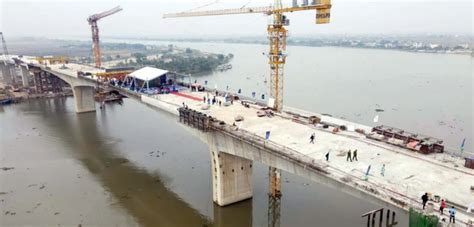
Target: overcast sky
point(143, 18)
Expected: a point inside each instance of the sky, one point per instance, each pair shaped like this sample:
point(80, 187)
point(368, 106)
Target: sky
point(143, 18)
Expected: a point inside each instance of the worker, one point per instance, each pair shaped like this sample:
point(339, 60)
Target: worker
point(424, 199)
point(311, 138)
point(354, 155)
point(349, 156)
point(327, 156)
point(204, 98)
point(382, 171)
point(452, 214)
point(366, 176)
point(442, 206)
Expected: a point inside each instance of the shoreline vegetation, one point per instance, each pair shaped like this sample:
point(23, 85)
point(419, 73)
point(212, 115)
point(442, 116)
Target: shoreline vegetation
point(445, 44)
point(121, 54)
point(185, 61)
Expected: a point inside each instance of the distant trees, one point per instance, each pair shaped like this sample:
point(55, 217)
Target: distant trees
point(181, 63)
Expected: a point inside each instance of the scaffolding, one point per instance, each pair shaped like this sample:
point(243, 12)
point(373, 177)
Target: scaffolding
point(45, 82)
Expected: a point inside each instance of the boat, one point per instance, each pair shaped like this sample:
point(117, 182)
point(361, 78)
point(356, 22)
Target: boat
point(109, 96)
point(5, 101)
point(224, 67)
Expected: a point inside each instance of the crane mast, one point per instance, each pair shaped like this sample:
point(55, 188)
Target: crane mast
point(4, 44)
point(95, 32)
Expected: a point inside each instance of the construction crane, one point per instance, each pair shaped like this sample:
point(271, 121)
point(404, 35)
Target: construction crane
point(277, 34)
point(95, 31)
point(5, 50)
point(10, 72)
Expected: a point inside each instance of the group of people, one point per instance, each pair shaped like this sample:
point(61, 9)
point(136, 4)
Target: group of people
point(213, 101)
point(352, 157)
point(452, 210)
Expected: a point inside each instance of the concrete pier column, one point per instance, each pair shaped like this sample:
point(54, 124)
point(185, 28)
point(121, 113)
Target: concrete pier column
point(6, 74)
point(25, 76)
point(231, 178)
point(84, 98)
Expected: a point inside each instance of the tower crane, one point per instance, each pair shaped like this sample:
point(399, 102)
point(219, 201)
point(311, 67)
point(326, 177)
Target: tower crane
point(95, 31)
point(4, 44)
point(9, 77)
point(277, 34)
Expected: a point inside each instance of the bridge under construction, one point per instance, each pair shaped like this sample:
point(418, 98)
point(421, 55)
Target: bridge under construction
point(238, 134)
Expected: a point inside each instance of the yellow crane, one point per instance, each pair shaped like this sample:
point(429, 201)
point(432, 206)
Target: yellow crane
point(277, 34)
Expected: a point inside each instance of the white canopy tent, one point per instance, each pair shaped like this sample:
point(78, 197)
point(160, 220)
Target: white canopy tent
point(145, 75)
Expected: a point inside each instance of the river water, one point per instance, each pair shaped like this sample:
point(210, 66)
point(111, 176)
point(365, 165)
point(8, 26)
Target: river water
point(132, 165)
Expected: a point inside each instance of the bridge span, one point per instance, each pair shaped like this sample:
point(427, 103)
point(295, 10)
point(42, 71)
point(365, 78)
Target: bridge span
point(234, 146)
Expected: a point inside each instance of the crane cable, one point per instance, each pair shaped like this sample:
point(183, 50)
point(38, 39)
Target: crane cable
point(205, 5)
point(246, 4)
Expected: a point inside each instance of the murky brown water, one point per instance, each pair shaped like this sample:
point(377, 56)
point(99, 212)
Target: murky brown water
point(131, 165)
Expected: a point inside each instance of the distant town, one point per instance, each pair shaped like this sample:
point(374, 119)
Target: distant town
point(449, 44)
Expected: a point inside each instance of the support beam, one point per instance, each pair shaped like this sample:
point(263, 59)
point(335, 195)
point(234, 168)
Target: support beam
point(231, 178)
point(84, 99)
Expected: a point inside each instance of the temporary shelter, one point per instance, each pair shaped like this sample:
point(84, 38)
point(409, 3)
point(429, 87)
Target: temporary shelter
point(146, 77)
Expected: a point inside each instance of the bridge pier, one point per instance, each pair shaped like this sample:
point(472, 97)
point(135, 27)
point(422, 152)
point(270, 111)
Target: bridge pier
point(84, 98)
point(25, 76)
point(231, 178)
point(6, 73)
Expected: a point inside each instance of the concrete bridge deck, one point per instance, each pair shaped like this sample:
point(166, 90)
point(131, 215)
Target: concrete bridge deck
point(437, 173)
point(407, 176)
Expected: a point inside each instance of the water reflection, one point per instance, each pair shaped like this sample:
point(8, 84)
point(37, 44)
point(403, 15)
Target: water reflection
point(143, 195)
